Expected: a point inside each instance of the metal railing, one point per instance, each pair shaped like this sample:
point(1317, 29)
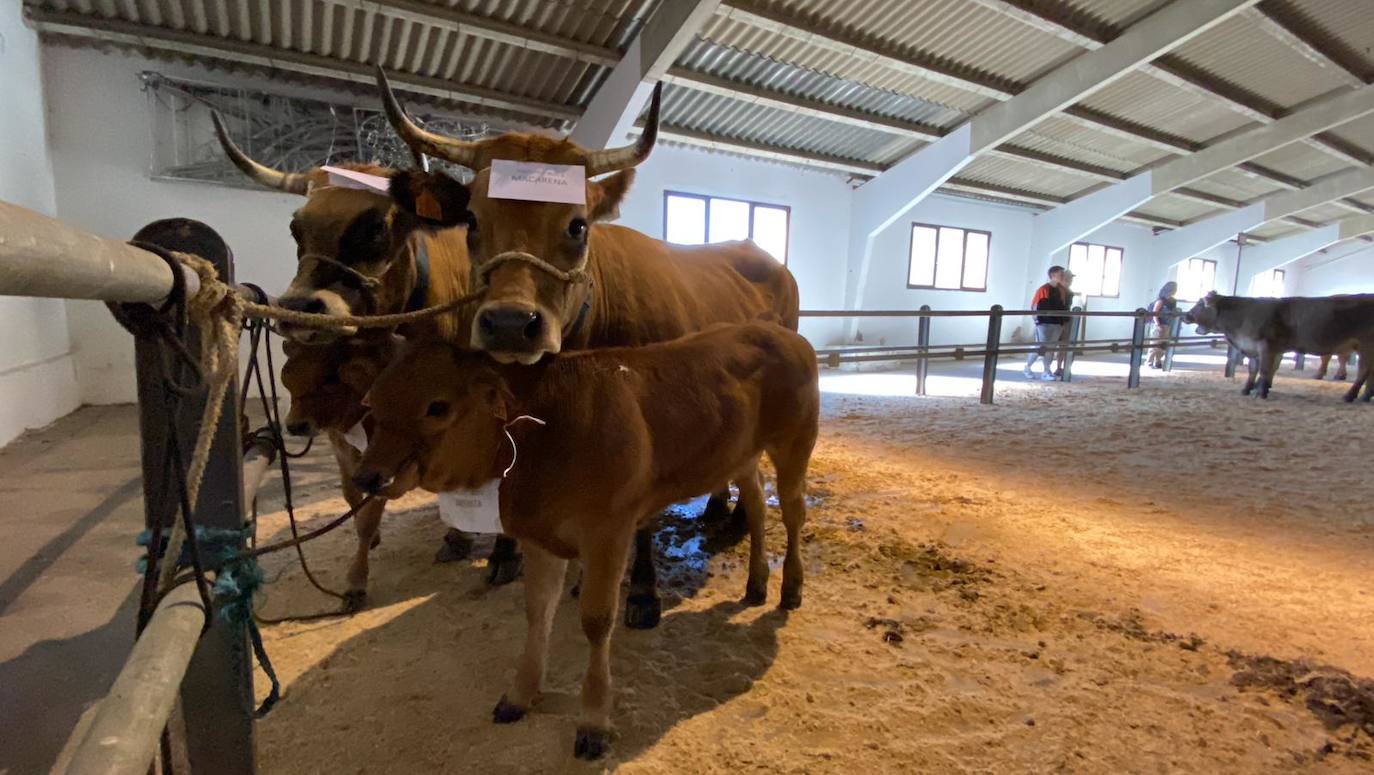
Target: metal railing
point(177, 652)
point(923, 352)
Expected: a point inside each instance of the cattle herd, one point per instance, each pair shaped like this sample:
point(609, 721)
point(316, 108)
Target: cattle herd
point(598, 376)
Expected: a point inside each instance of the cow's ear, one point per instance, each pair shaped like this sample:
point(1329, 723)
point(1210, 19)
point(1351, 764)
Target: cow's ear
point(604, 196)
point(434, 198)
point(291, 347)
point(1210, 298)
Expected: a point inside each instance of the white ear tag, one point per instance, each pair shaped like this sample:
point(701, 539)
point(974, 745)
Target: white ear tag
point(345, 178)
point(473, 511)
point(535, 181)
point(356, 437)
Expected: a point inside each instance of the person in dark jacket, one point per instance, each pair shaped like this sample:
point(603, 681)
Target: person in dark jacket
point(1049, 298)
point(1161, 324)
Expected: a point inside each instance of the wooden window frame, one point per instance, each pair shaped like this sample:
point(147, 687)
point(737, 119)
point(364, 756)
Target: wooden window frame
point(1211, 261)
point(753, 205)
point(963, 258)
point(1105, 247)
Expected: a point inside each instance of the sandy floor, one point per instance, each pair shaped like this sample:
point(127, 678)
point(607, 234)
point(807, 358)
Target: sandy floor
point(1078, 578)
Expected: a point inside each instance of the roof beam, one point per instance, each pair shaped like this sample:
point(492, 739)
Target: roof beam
point(1309, 51)
point(232, 52)
point(612, 110)
point(1289, 249)
point(1210, 232)
point(1068, 223)
point(1281, 19)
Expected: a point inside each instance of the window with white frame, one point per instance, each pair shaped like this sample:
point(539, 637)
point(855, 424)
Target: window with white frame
point(695, 219)
point(1096, 269)
point(948, 258)
point(1196, 277)
point(1268, 283)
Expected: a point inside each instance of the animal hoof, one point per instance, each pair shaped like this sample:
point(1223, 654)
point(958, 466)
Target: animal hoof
point(755, 595)
point(716, 510)
point(506, 712)
point(1246, 391)
point(375, 542)
point(591, 743)
point(791, 600)
point(505, 571)
point(354, 600)
point(457, 547)
point(1349, 398)
point(643, 611)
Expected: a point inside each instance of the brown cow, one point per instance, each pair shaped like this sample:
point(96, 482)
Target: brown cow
point(620, 434)
point(359, 254)
point(1342, 354)
point(327, 384)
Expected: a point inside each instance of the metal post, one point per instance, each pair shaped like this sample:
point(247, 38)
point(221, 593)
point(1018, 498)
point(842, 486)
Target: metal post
point(923, 347)
point(990, 353)
point(1298, 361)
point(1175, 328)
point(217, 693)
point(1075, 333)
point(1137, 349)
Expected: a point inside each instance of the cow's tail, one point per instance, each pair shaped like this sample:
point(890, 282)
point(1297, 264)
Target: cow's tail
point(787, 300)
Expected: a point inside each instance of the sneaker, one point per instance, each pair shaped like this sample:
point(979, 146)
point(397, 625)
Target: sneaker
point(1029, 374)
point(1047, 377)
point(1059, 373)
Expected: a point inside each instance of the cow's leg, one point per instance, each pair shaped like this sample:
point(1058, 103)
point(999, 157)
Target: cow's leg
point(717, 506)
point(1342, 367)
point(1365, 378)
point(457, 546)
point(367, 520)
point(1361, 374)
point(791, 466)
point(603, 562)
point(751, 494)
point(505, 562)
point(1269, 366)
point(642, 608)
point(1252, 365)
point(1321, 369)
point(543, 583)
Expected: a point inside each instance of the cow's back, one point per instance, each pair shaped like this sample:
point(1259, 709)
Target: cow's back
point(650, 291)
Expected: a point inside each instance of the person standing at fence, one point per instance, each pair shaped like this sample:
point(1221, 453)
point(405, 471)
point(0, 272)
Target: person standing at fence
point(1049, 298)
point(1065, 330)
point(1161, 325)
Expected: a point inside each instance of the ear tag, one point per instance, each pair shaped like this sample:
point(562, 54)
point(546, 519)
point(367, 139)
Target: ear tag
point(427, 207)
point(346, 178)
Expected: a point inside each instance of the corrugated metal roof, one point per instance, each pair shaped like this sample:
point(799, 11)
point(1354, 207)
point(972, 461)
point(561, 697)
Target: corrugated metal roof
point(1027, 176)
point(1359, 133)
point(1301, 161)
point(1116, 13)
point(1350, 23)
point(705, 56)
point(1235, 184)
point(1326, 213)
point(1146, 100)
point(1242, 52)
point(1072, 140)
point(1177, 208)
point(729, 118)
point(1274, 230)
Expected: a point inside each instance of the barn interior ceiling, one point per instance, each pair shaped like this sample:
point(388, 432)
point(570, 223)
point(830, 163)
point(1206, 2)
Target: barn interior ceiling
point(848, 86)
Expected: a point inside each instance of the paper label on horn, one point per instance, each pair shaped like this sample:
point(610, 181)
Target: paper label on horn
point(473, 511)
point(345, 178)
point(535, 181)
point(356, 437)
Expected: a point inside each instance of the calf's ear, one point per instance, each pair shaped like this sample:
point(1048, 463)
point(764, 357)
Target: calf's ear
point(604, 196)
point(434, 198)
point(1210, 298)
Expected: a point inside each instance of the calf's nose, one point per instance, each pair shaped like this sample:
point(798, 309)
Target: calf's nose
point(371, 481)
point(300, 428)
point(506, 328)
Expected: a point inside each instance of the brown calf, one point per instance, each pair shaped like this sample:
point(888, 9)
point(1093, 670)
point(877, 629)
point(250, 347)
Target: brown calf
point(627, 432)
point(327, 384)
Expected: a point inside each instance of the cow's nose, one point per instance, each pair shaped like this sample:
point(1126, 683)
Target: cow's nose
point(371, 482)
point(302, 428)
point(302, 304)
point(504, 328)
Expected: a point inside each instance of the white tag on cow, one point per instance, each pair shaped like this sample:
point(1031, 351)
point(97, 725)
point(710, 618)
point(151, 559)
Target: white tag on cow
point(345, 178)
point(535, 181)
point(473, 511)
point(356, 437)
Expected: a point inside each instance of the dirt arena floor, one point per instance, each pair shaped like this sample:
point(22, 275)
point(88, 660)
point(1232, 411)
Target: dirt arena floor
point(1079, 579)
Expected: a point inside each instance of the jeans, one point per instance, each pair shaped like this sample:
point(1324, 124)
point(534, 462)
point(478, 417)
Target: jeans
point(1046, 333)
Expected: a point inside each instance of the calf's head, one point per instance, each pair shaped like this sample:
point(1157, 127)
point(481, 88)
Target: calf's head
point(438, 414)
point(348, 241)
point(1203, 314)
point(525, 310)
point(328, 382)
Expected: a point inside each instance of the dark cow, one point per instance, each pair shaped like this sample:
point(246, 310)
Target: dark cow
point(618, 435)
point(1265, 329)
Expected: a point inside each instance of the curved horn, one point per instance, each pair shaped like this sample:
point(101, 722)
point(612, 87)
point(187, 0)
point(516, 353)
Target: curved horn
point(612, 159)
point(462, 152)
point(290, 182)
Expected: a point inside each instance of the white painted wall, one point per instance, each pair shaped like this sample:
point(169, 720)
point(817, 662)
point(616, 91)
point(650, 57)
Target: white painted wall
point(1345, 268)
point(818, 227)
point(37, 379)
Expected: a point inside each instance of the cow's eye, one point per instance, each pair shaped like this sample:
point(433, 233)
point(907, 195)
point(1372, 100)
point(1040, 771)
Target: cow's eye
point(437, 409)
point(332, 379)
point(577, 229)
